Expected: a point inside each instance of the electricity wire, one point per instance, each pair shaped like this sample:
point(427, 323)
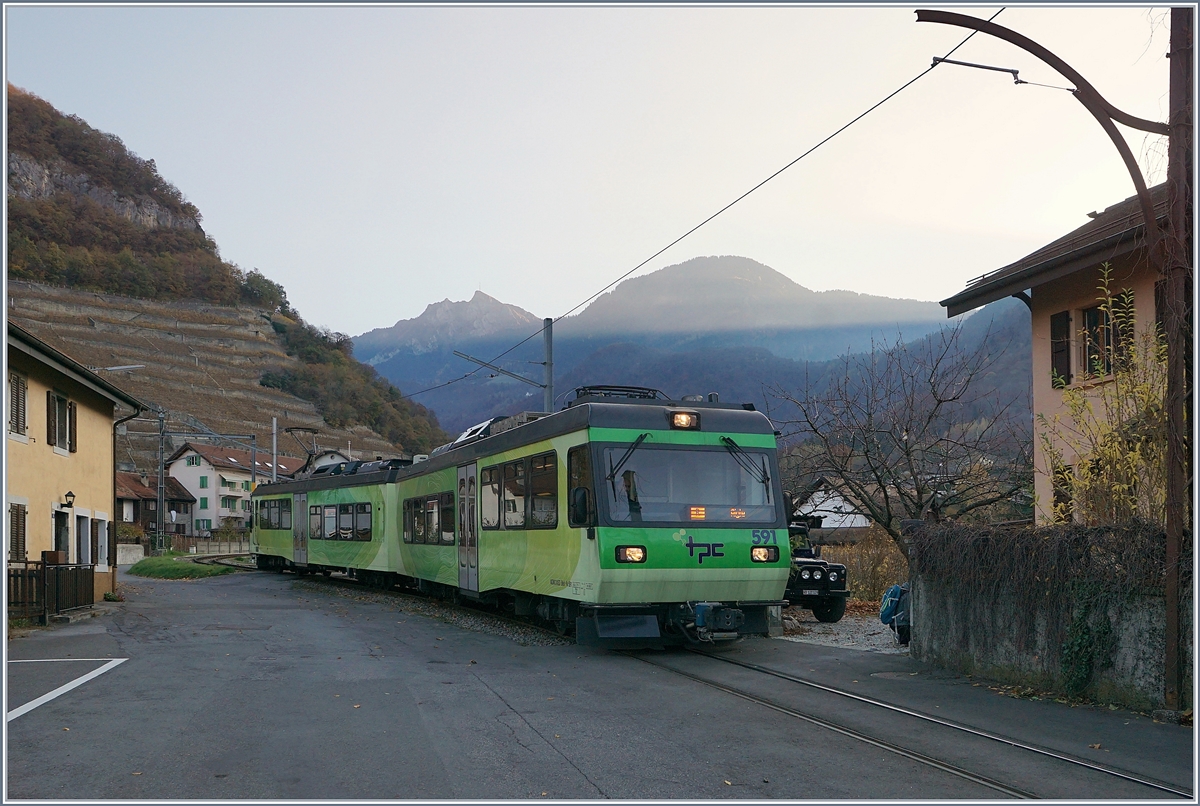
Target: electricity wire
point(757, 186)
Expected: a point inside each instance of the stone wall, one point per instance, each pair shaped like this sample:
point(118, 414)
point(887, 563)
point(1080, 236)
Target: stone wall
point(985, 635)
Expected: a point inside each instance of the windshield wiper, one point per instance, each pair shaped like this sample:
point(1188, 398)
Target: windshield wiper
point(746, 462)
point(613, 471)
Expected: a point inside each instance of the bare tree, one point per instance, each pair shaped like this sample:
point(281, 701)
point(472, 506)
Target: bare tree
point(910, 431)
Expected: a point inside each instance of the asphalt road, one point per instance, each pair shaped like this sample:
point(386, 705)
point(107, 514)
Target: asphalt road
point(249, 686)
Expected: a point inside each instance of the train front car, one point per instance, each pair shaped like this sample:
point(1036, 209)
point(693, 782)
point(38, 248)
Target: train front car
point(684, 504)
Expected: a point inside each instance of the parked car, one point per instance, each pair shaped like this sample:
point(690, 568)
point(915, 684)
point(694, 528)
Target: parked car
point(814, 583)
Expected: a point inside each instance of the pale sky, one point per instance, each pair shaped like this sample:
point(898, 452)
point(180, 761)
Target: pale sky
point(378, 159)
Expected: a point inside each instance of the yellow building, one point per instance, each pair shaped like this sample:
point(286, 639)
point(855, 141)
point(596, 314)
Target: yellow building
point(1060, 284)
point(60, 475)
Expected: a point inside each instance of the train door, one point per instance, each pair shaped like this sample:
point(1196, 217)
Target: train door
point(300, 528)
point(468, 534)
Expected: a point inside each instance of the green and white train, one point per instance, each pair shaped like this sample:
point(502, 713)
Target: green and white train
point(626, 518)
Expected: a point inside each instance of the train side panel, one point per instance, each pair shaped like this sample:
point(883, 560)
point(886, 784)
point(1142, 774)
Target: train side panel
point(431, 562)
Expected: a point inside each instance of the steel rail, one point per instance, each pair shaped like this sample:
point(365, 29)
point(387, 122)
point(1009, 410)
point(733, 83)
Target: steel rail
point(920, 758)
point(956, 726)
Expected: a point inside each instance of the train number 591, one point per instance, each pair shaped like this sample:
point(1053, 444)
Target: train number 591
point(762, 537)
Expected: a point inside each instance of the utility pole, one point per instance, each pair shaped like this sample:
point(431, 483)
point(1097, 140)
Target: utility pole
point(162, 481)
point(548, 385)
point(274, 449)
point(1177, 321)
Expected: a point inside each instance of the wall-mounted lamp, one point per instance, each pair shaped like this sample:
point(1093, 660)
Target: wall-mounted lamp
point(70, 497)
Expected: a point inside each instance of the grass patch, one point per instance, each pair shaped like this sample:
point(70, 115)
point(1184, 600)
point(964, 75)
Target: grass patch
point(169, 568)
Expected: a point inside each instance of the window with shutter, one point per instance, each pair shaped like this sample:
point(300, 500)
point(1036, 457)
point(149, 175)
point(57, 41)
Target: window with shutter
point(1060, 349)
point(51, 419)
point(16, 546)
point(95, 555)
point(18, 390)
point(72, 446)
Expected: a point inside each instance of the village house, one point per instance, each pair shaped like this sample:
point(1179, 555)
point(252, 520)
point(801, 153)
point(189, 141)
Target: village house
point(1071, 332)
point(60, 480)
point(221, 480)
point(137, 503)
point(826, 508)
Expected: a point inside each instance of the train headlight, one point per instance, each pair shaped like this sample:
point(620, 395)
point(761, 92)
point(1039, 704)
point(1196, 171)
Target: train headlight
point(833, 576)
point(764, 554)
point(806, 574)
point(685, 419)
point(817, 574)
point(631, 554)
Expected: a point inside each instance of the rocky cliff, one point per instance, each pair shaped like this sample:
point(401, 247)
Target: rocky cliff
point(30, 179)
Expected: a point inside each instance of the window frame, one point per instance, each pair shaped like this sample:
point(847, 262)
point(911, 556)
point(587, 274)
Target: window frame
point(532, 473)
point(489, 493)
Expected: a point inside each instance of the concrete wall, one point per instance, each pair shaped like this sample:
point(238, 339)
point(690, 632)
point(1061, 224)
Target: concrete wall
point(986, 634)
point(129, 553)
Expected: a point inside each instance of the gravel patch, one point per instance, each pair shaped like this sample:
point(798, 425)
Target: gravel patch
point(456, 615)
point(863, 632)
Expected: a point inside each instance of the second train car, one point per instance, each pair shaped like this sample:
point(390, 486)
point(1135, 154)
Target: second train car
point(626, 518)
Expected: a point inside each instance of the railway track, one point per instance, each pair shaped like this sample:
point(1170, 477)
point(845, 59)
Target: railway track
point(881, 742)
point(888, 744)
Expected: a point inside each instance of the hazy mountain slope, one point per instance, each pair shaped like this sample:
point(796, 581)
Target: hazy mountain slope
point(707, 306)
point(447, 325)
point(730, 293)
point(737, 374)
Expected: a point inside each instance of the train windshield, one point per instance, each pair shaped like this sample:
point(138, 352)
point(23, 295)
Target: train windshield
point(682, 485)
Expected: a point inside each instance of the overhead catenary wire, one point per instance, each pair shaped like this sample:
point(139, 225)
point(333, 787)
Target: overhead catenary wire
point(741, 197)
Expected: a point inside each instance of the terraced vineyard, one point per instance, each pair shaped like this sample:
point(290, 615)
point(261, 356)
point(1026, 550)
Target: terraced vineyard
point(202, 363)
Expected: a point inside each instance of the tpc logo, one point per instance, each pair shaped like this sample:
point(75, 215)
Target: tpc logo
point(706, 549)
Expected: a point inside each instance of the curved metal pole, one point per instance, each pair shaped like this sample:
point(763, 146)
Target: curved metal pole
point(1104, 112)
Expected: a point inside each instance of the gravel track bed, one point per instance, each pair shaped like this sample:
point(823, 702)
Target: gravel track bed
point(458, 616)
point(862, 632)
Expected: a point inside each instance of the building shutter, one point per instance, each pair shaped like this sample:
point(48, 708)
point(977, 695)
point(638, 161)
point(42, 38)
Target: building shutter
point(1060, 349)
point(51, 420)
point(95, 541)
point(18, 390)
point(16, 547)
point(72, 446)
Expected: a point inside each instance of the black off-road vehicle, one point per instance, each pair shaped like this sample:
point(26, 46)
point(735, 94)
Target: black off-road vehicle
point(814, 583)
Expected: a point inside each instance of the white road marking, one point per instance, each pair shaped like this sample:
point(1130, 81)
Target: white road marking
point(58, 692)
point(52, 660)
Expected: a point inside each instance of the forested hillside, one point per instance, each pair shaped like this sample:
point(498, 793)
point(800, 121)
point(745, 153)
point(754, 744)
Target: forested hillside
point(86, 213)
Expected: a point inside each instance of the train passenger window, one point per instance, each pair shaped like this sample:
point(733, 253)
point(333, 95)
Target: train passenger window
point(446, 502)
point(330, 529)
point(314, 523)
point(514, 495)
point(543, 491)
point(345, 521)
point(273, 514)
point(418, 520)
point(362, 521)
point(285, 514)
point(581, 508)
point(489, 498)
point(432, 530)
